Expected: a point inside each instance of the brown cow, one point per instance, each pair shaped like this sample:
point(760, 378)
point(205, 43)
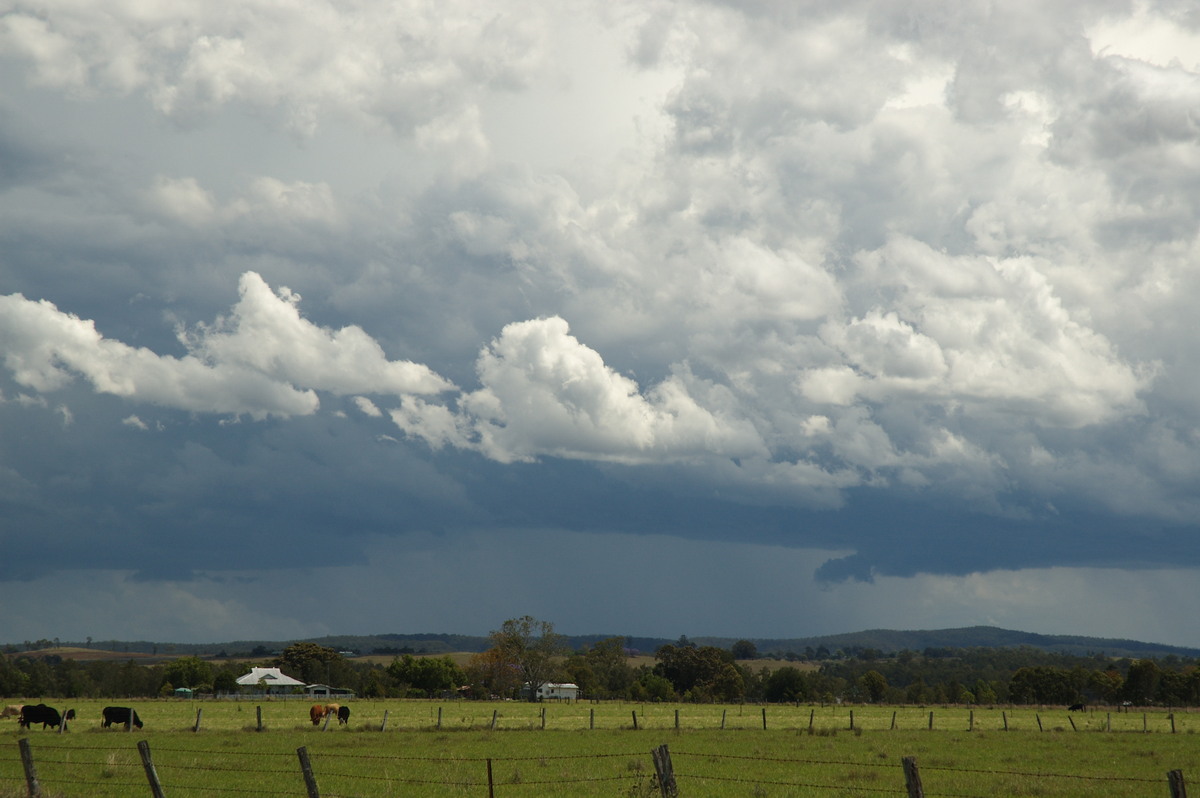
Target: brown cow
point(316, 713)
point(12, 711)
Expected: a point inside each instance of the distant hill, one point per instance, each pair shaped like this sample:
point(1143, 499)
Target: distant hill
point(886, 641)
point(80, 654)
point(889, 641)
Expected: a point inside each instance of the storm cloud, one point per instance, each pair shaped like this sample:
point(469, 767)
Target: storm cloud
point(898, 293)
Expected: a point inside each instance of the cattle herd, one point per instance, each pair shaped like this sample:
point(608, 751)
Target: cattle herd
point(318, 712)
point(29, 714)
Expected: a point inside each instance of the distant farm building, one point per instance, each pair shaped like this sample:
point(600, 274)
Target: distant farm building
point(555, 691)
point(326, 690)
point(271, 681)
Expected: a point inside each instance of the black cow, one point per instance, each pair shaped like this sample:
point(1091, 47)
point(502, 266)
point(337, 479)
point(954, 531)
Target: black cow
point(1076, 708)
point(120, 715)
point(39, 713)
point(343, 714)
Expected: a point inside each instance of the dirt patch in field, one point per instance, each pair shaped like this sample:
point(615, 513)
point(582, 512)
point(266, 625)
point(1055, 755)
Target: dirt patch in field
point(90, 654)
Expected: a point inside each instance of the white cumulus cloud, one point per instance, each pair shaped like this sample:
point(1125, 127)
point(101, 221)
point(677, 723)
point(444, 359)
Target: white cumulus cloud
point(266, 332)
point(262, 360)
point(546, 393)
point(45, 348)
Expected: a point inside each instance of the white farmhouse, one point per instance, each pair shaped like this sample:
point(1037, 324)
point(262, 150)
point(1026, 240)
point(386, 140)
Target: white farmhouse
point(273, 679)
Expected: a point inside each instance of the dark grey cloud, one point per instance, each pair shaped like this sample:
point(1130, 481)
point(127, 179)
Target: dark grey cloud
point(896, 296)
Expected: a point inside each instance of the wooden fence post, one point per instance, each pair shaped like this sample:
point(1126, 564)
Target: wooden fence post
point(1175, 780)
point(1073, 728)
point(931, 720)
point(852, 720)
point(764, 709)
point(439, 725)
point(677, 720)
point(1172, 723)
point(383, 726)
point(543, 718)
point(491, 783)
point(31, 780)
point(723, 711)
point(328, 715)
point(893, 720)
point(148, 764)
point(592, 718)
point(310, 781)
point(912, 778)
point(971, 721)
point(199, 712)
point(258, 717)
point(1039, 720)
point(1004, 715)
point(812, 713)
point(635, 726)
point(664, 771)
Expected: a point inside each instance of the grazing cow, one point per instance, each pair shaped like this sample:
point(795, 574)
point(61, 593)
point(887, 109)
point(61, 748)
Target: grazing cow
point(39, 713)
point(316, 713)
point(331, 710)
point(343, 714)
point(1076, 708)
point(11, 711)
point(121, 716)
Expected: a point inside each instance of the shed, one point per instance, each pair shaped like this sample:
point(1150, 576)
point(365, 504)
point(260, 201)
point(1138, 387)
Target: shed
point(326, 690)
point(558, 691)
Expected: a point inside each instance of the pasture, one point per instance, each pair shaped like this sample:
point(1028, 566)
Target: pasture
point(585, 749)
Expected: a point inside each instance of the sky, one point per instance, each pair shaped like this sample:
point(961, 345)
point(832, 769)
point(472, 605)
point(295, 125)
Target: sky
point(755, 319)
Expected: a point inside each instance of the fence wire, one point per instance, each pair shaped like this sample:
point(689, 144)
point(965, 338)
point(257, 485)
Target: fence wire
point(58, 775)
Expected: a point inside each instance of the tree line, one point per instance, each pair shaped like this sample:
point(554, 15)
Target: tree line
point(527, 651)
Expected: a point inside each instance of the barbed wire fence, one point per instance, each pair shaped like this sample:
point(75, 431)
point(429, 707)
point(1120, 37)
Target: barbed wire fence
point(188, 771)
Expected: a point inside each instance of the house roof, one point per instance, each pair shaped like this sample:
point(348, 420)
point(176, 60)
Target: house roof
point(272, 677)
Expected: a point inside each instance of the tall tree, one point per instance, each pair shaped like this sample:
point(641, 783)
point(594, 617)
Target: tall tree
point(491, 673)
point(610, 664)
point(786, 684)
point(533, 647)
point(429, 675)
point(1141, 683)
point(873, 685)
point(727, 684)
point(745, 649)
point(691, 667)
point(310, 662)
point(188, 672)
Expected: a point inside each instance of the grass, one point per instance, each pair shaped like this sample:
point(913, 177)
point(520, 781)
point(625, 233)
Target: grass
point(569, 758)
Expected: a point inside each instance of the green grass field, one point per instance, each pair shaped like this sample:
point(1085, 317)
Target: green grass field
point(593, 750)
